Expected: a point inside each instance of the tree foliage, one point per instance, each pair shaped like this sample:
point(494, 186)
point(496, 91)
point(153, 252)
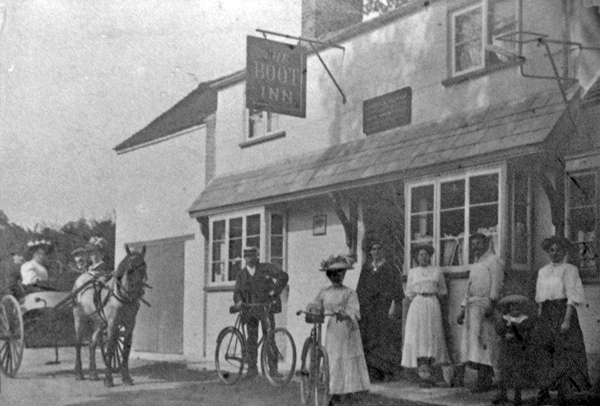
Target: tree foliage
point(66, 238)
point(381, 6)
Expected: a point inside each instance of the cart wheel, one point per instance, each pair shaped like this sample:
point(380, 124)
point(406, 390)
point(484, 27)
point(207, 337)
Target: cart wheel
point(12, 336)
point(117, 360)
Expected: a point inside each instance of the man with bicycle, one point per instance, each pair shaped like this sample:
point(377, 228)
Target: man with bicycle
point(258, 283)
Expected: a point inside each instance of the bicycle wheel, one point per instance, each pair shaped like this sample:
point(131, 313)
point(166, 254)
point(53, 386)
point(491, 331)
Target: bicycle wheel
point(320, 378)
point(278, 356)
point(229, 355)
point(306, 383)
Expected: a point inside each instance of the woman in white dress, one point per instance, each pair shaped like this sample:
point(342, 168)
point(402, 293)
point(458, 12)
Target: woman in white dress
point(348, 371)
point(424, 339)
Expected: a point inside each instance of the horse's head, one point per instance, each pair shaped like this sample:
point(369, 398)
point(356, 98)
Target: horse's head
point(131, 275)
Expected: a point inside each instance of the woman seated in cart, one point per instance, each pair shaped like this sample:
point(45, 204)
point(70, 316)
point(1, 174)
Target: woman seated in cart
point(34, 274)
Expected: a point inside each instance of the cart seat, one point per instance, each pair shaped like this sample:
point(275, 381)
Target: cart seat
point(40, 300)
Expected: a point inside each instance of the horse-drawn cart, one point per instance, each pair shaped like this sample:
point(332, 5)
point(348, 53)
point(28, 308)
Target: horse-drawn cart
point(42, 320)
point(92, 312)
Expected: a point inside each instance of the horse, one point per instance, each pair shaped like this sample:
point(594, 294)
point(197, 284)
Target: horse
point(109, 308)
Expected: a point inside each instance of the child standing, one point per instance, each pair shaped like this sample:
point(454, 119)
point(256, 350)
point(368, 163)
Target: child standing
point(347, 366)
point(515, 358)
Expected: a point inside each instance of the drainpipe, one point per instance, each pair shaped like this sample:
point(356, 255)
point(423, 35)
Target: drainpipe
point(566, 37)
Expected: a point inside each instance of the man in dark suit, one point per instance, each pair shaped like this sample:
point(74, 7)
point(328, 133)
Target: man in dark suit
point(258, 283)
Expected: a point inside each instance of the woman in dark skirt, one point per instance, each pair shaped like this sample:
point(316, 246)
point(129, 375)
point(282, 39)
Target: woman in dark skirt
point(562, 355)
point(380, 295)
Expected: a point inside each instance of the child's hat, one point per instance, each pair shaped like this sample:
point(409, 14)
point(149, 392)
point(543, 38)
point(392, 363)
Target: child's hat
point(506, 300)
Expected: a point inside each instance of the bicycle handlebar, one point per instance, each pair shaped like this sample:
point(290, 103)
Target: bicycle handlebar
point(299, 312)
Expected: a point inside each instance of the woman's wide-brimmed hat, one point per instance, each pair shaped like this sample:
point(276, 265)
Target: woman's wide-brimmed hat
point(96, 244)
point(561, 241)
point(34, 245)
point(336, 263)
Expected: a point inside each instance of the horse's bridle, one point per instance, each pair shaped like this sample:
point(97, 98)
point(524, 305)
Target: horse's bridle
point(127, 296)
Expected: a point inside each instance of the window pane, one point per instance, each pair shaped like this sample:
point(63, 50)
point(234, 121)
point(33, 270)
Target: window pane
point(218, 232)
point(235, 249)
point(483, 189)
point(521, 188)
point(276, 224)
point(234, 268)
point(452, 223)
point(583, 190)
point(453, 194)
point(467, 26)
point(484, 219)
point(235, 228)
point(253, 242)
point(276, 246)
point(583, 221)
point(218, 275)
point(217, 251)
point(451, 251)
point(520, 242)
point(421, 227)
point(468, 55)
point(422, 199)
point(253, 225)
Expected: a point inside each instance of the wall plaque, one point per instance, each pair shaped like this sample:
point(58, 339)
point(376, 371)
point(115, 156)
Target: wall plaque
point(387, 111)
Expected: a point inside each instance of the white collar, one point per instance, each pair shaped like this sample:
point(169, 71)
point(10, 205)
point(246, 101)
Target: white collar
point(515, 320)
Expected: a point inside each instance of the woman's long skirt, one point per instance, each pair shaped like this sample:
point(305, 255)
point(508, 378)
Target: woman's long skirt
point(424, 334)
point(347, 366)
point(562, 361)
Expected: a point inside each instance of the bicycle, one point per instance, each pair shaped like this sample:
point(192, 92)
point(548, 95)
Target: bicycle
point(315, 380)
point(277, 349)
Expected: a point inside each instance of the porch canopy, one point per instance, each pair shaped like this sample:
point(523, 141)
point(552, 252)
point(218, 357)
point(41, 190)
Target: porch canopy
point(497, 132)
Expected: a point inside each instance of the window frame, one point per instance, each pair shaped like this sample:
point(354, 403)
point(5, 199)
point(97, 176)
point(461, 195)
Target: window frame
point(586, 274)
point(530, 216)
point(467, 6)
point(264, 249)
point(267, 115)
point(437, 238)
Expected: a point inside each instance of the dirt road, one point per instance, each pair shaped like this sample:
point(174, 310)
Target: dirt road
point(156, 383)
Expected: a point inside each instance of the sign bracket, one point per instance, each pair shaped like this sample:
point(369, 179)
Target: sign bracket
point(312, 43)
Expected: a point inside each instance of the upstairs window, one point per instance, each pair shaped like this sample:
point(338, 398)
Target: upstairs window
point(262, 123)
point(474, 43)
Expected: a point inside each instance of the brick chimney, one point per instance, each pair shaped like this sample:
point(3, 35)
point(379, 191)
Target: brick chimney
point(321, 17)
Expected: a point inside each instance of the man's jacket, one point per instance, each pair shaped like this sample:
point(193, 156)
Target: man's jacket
point(255, 289)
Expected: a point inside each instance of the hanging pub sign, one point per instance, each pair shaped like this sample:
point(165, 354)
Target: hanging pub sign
point(276, 77)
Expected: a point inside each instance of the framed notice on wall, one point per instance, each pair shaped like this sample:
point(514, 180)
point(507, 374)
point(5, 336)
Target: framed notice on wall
point(387, 111)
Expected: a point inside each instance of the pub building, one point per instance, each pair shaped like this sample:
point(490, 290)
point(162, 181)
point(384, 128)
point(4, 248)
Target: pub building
point(424, 125)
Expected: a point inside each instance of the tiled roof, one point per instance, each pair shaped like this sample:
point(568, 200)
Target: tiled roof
point(191, 111)
point(488, 133)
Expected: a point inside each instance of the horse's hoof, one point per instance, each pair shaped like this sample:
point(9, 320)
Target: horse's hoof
point(108, 383)
point(128, 381)
point(94, 377)
point(79, 377)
